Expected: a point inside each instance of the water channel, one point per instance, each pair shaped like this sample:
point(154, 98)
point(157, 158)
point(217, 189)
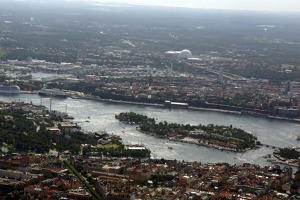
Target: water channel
point(96, 115)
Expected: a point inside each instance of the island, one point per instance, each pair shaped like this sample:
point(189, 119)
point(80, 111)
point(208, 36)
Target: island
point(286, 156)
point(134, 118)
point(50, 157)
point(216, 136)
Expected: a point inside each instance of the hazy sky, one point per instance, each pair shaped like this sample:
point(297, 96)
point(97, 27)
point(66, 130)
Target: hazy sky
point(267, 5)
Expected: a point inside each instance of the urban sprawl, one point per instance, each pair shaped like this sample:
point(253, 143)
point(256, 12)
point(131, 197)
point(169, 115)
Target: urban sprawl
point(244, 63)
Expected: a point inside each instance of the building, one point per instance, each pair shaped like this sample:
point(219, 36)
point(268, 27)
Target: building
point(287, 112)
point(185, 54)
point(288, 87)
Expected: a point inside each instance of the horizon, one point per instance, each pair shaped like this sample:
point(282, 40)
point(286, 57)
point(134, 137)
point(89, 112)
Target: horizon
point(292, 6)
point(245, 5)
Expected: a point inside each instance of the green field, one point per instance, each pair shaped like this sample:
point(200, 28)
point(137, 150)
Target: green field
point(2, 53)
point(108, 146)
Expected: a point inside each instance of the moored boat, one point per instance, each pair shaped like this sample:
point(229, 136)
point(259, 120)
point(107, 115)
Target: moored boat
point(9, 89)
point(52, 92)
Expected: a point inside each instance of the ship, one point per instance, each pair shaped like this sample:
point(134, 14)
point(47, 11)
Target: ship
point(170, 104)
point(52, 93)
point(9, 89)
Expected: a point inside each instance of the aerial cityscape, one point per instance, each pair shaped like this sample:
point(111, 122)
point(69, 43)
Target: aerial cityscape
point(153, 100)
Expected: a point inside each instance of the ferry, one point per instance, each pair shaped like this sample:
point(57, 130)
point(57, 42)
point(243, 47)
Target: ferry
point(9, 89)
point(52, 93)
point(170, 104)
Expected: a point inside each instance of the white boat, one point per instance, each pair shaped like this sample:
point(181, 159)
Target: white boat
point(9, 89)
point(52, 92)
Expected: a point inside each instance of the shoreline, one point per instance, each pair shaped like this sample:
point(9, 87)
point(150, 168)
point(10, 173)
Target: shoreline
point(186, 143)
point(214, 146)
point(94, 98)
point(279, 160)
point(220, 148)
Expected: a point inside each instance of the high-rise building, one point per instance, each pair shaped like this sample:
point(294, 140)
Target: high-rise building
point(221, 77)
point(288, 87)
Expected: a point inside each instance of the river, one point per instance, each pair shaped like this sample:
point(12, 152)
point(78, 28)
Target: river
point(101, 116)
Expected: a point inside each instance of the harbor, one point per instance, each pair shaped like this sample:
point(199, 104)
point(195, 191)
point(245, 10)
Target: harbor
point(102, 117)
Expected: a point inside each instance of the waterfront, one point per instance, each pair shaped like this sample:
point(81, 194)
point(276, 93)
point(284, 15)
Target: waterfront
point(96, 115)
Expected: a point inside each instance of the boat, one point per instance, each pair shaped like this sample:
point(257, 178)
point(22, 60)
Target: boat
point(9, 89)
point(170, 104)
point(52, 93)
point(68, 117)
